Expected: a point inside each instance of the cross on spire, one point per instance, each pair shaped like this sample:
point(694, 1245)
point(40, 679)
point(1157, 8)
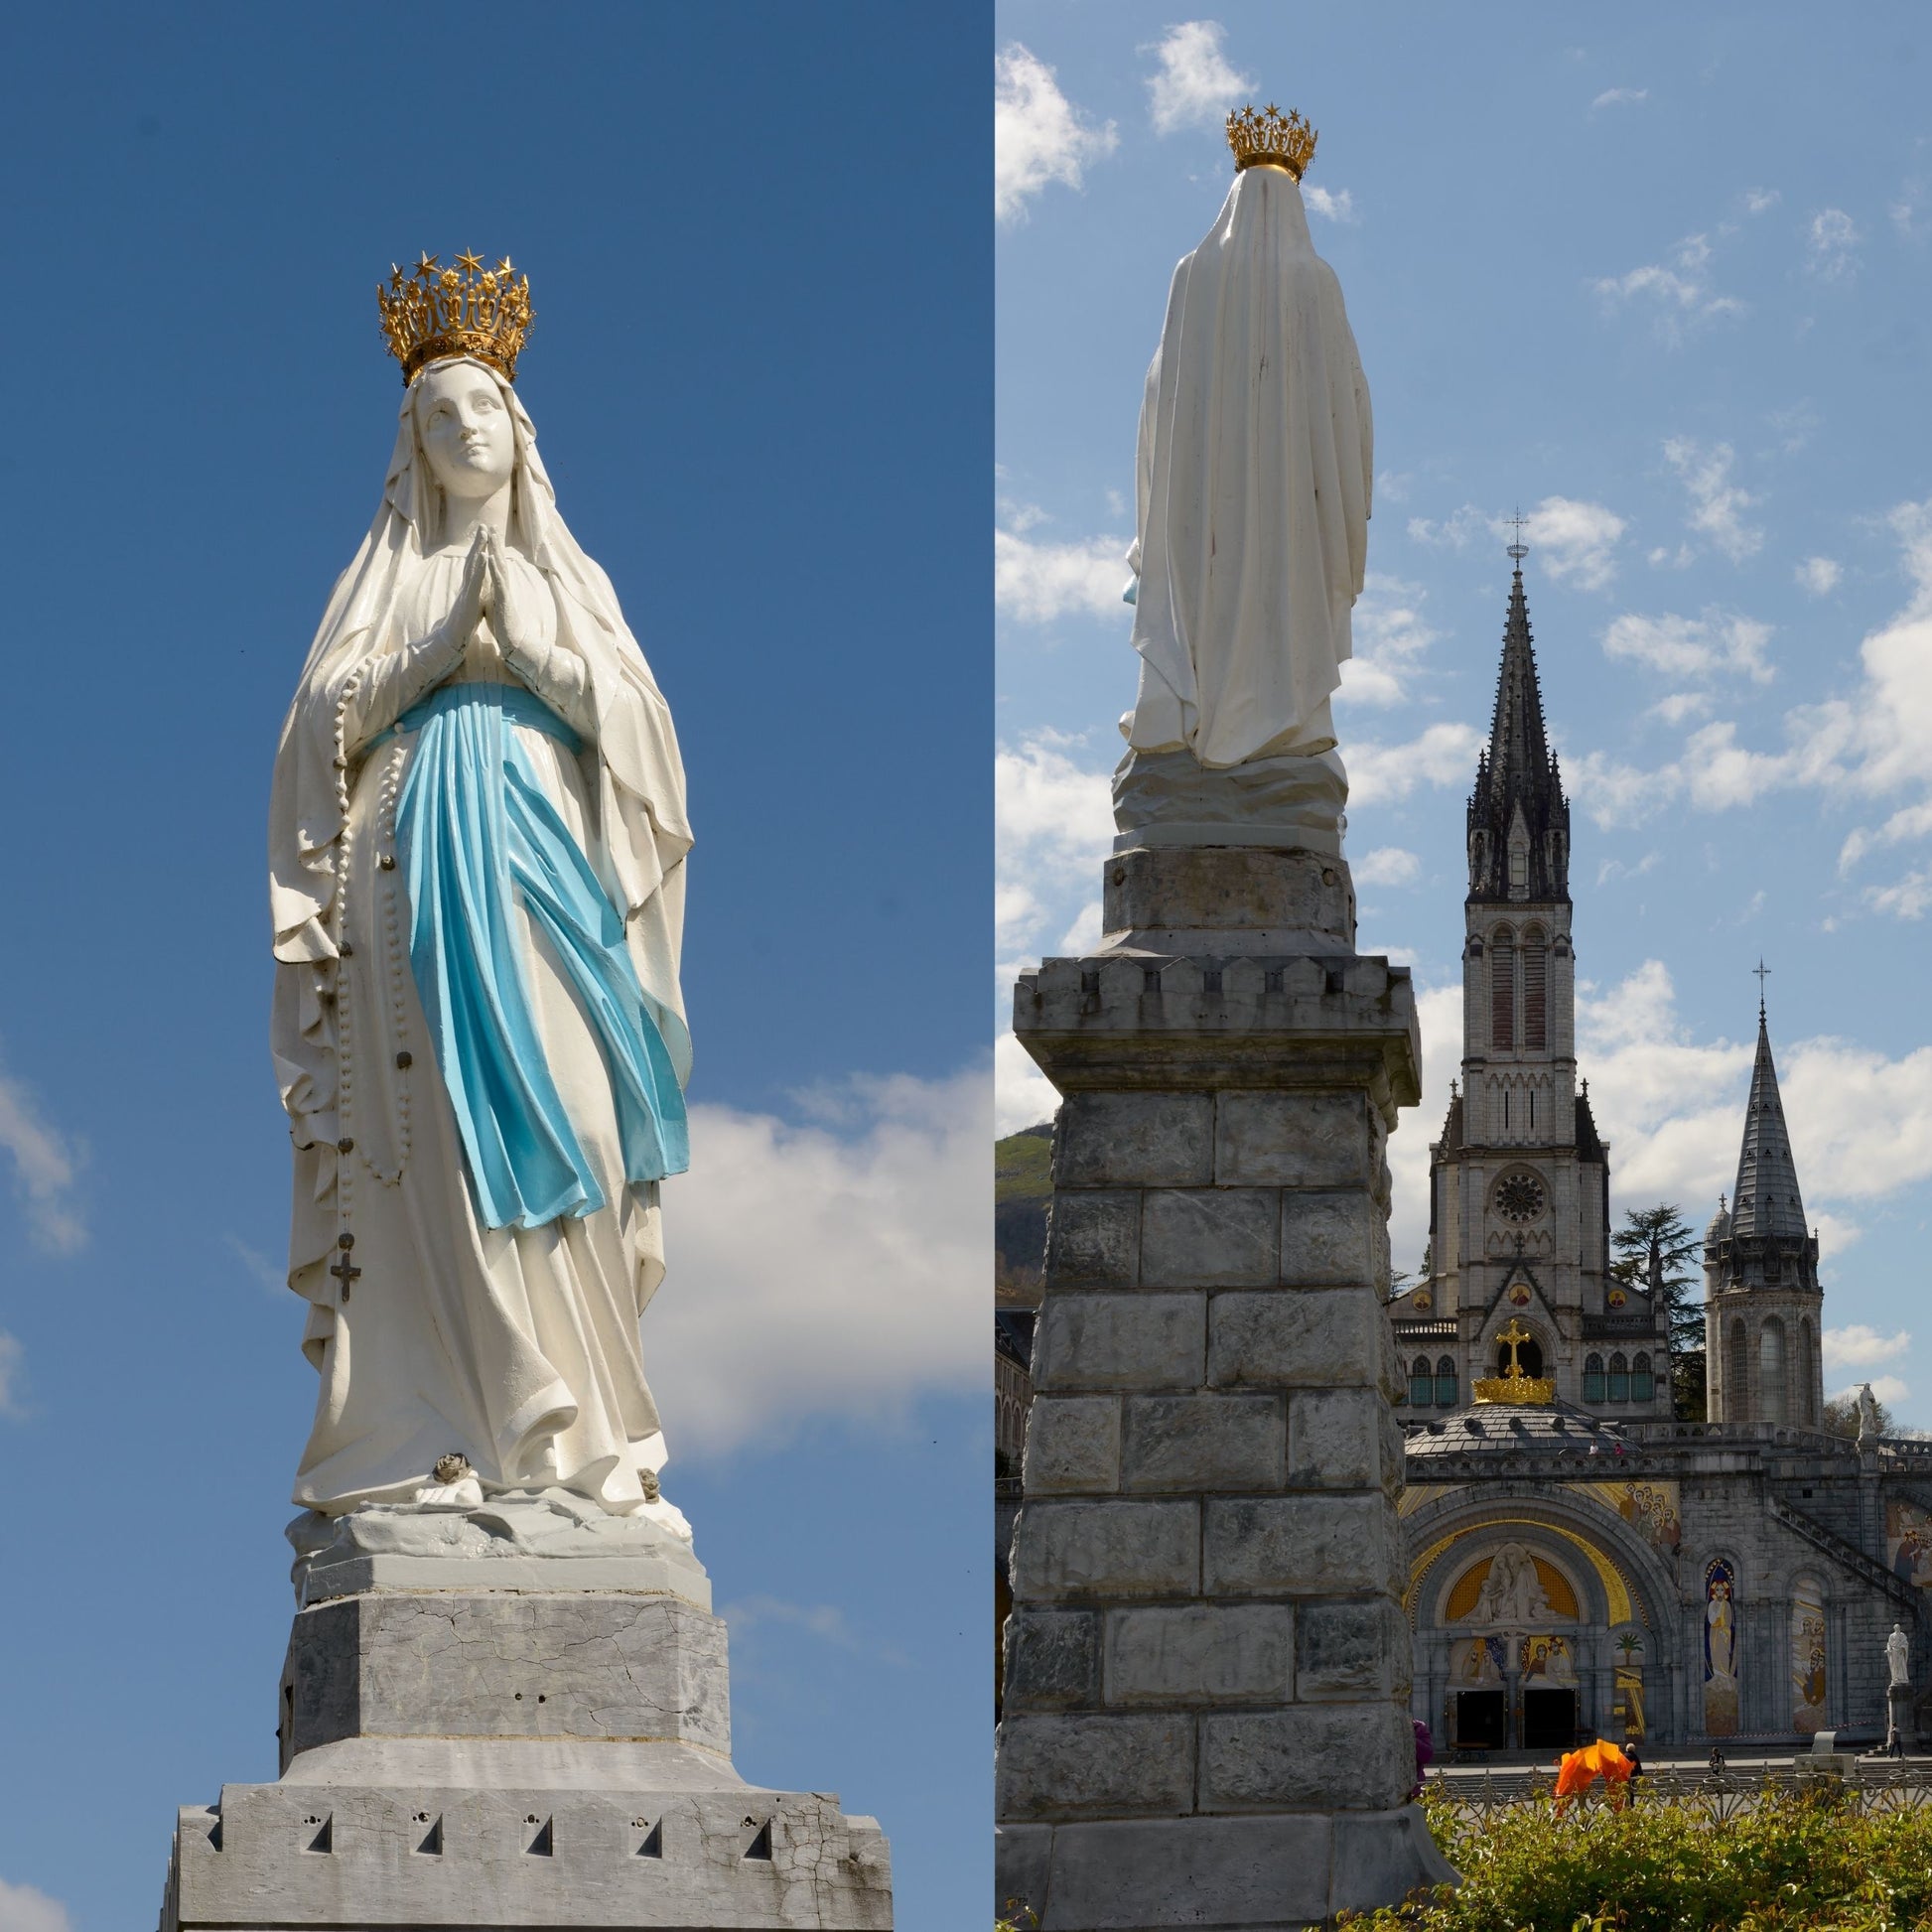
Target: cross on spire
point(1518, 549)
point(1762, 972)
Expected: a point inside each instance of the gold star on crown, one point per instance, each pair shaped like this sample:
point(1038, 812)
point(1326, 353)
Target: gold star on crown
point(1270, 137)
point(432, 312)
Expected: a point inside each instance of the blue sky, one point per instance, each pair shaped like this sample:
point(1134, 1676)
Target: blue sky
point(759, 257)
point(1660, 277)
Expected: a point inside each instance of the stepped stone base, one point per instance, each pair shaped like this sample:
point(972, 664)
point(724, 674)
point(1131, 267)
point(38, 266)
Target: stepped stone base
point(536, 1754)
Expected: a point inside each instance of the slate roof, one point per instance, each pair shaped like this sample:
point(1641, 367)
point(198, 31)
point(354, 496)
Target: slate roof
point(1766, 1201)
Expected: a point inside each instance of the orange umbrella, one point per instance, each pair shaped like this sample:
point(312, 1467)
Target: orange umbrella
point(1577, 1771)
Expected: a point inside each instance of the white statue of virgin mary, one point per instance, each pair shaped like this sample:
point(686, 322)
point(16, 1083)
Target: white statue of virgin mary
point(1255, 479)
point(476, 875)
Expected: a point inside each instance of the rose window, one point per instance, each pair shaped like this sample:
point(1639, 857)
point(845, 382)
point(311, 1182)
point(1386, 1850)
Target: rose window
point(1519, 1197)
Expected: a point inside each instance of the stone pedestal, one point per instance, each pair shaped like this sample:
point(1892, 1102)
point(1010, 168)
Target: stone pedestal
point(513, 1715)
point(1207, 1663)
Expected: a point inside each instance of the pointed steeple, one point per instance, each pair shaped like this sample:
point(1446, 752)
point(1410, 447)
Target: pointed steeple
point(1518, 800)
point(1766, 1201)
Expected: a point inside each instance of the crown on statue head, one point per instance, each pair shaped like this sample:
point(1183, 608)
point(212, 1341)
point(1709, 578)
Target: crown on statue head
point(432, 312)
point(1271, 138)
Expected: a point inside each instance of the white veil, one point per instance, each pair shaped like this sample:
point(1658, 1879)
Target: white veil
point(641, 833)
point(1255, 467)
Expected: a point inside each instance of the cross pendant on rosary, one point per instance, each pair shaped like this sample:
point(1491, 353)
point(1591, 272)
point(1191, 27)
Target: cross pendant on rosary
point(345, 1270)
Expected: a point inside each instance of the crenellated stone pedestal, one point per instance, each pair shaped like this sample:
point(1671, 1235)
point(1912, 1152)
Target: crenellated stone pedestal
point(1207, 1663)
point(513, 1715)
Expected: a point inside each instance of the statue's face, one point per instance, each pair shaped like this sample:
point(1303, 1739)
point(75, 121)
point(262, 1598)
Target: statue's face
point(465, 429)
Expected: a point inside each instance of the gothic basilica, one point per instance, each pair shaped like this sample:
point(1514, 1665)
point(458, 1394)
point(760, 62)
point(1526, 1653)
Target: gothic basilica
point(1578, 1559)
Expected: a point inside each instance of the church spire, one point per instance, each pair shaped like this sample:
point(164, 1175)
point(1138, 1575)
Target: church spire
point(1766, 1201)
point(1518, 817)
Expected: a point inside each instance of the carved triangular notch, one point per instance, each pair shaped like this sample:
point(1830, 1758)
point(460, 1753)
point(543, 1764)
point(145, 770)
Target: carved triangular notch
point(215, 1834)
point(432, 1839)
point(761, 1844)
point(652, 1845)
point(541, 1846)
point(322, 1833)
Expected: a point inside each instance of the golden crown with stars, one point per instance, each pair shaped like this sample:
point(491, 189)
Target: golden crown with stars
point(432, 312)
point(1271, 138)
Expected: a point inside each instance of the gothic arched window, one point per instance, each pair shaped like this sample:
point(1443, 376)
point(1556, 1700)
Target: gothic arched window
point(1737, 1394)
point(1620, 1378)
point(1422, 1384)
point(1536, 1002)
point(1643, 1384)
point(1445, 1382)
point(1807, 1373)
point(1771, 1404)
point(1592, 1378)
point(1502, 990)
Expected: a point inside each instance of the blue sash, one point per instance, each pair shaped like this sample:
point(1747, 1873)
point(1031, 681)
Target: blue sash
point(477, 832)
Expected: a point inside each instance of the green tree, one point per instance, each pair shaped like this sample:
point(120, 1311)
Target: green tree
point(1656, 1252)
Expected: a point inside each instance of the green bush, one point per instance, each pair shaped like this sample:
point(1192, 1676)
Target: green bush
point(1789, 1862)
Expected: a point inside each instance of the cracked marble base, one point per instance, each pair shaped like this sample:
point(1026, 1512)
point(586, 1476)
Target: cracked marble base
point(509, 1758)
point(517, 1540)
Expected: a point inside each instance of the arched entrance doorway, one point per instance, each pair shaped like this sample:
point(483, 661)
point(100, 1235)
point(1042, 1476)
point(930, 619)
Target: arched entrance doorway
point(1534, 1626)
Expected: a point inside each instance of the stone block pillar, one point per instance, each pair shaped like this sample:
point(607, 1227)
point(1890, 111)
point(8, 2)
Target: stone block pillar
point(1207, 1662)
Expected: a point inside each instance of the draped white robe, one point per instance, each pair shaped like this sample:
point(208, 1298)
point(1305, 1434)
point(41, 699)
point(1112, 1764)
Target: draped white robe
point(1256, 471)
point(516, 1348)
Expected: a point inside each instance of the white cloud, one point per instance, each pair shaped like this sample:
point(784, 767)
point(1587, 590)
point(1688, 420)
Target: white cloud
point(1692, 646)
point(1439, 1010)
point(1054, 824)
point(1818, 574)
point(1672, 1106)
point(1830, 245)
point(1023, 1095)
point(1887, 1388)
point(1681, 705)
point(1195, 86)
point(1759, 201)
point(13, 1360)
point(826, 1621)
point(1387, 865)
point(257, 1266)
point(1444, 755)
point(1390, 636)
point(1039, 135)
point(1333, 204)
point(1573, 538)
point(1619, 97)
point(824, 1269)
point(1858, 1346)
point(1040, 582)
point(1718, 505)
point(1678, 293)
point(46, 1165)
point(1906, 898)
point(24, 1909)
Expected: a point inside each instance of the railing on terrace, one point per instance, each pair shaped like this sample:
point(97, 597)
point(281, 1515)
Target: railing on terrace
point(1869, 1786)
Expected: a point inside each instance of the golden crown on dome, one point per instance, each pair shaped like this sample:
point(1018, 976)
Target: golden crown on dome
point(431, 312)
point(1270, 137)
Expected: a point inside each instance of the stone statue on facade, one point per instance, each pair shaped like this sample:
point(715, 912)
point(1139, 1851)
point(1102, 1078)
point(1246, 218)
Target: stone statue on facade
point(1255, 476)
point(477, 853)
point(1868, 1414)
point(1512, 1593)
point(1898, 1657)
